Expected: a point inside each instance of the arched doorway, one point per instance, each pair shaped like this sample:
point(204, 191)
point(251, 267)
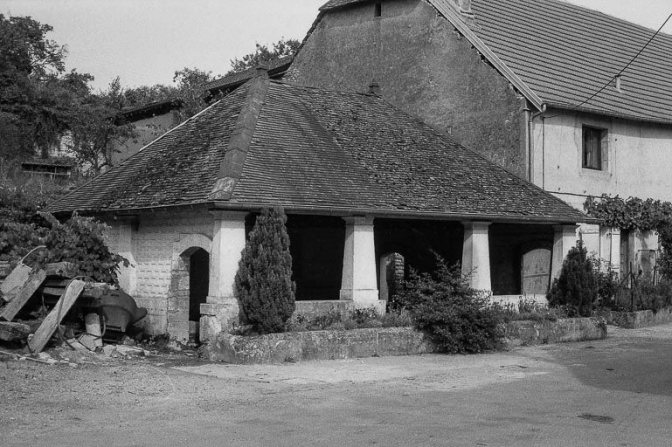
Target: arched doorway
point(392, 270)
point(199, 282)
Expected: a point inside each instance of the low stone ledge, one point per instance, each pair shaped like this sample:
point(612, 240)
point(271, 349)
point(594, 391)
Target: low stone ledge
point(636, 320)
point(358, 343)
point(520, 333)
point(317, 345)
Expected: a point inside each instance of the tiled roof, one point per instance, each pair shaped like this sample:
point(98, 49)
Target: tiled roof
point(319, 151)
point(565, 53)
point(332, 4)
point(275, 68)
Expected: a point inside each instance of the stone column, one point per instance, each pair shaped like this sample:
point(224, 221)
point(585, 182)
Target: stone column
point(476, 255)
point(221, 308)
point(359, 282)
point(563, 240)
point(128, 280)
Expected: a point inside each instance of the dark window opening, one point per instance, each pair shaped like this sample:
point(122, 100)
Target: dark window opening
point(199, 280)
point(593, 144)
point(378, 10)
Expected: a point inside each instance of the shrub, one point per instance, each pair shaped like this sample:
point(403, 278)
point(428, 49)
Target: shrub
point(263, 283)
point(456, 317)
point(576, 288)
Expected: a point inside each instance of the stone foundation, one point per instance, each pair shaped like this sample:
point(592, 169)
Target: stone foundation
point(634, 320)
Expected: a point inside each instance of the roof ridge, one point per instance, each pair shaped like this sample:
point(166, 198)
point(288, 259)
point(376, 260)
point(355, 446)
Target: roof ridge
point(231, 167)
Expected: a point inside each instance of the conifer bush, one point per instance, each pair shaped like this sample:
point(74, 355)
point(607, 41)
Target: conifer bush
point(577, 287)
point(263, 283)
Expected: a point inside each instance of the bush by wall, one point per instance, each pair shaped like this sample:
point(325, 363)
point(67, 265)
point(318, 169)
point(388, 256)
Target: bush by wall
point(263, 283)
point(456, 317)
point(577, 287)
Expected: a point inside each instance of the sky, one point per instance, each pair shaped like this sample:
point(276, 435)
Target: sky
point(145, 41)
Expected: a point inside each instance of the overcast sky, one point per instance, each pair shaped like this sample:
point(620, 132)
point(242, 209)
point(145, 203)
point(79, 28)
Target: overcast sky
point(146, 41)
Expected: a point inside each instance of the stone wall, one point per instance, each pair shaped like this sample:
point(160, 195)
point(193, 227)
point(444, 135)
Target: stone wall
point(157, 241)
point(332, 345)
point(634, 320)
point(423, 67)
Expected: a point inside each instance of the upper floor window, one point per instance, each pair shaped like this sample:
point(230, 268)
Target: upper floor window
point(594, 144)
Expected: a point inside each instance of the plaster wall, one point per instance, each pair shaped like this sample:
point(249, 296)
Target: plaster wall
point(638, 157)
point(423, 67)
point(148, 130)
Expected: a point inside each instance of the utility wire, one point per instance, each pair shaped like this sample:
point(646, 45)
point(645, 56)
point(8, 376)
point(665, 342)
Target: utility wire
point(626, 67)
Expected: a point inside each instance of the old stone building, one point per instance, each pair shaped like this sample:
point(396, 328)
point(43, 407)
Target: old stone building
point(363, 183)
point(556, 93)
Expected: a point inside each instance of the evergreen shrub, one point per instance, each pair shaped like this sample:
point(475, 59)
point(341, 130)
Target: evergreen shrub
point(577, 287)
point(263, 283)
point(457, 318)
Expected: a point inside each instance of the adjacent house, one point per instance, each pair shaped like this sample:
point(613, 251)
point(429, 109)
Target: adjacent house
point(363, 183)
point(556, 93)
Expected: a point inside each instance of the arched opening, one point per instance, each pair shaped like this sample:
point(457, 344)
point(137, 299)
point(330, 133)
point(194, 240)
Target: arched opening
point(536, 271)
point(199, 282)
point(392, 270)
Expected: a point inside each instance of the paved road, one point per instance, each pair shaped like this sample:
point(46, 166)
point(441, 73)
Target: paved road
point(616, 392)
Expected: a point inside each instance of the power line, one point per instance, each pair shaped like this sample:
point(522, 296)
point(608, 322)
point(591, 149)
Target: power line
point(626, 67)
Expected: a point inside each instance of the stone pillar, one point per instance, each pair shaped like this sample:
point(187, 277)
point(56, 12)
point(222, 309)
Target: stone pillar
point(476, 255)
point(359, 282)
point(128, 280)
point(220, 310)
point(563, 240)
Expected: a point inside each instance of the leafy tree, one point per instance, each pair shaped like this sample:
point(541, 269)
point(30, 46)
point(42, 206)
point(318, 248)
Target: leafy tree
point(456, 317)
point(33, 102)
point(95, 130)
point(263, 283)
point(577, 286)
point(263, 54)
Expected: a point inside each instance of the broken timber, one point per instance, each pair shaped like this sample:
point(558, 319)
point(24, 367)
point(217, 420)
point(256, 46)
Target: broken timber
point(34, 281)
point(48, 327)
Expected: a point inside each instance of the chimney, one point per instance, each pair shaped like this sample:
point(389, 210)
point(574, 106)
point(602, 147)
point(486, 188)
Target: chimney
point(374, 88)
point(262, 70)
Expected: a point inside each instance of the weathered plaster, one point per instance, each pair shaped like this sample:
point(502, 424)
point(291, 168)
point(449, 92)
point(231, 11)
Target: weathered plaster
point(423, 67)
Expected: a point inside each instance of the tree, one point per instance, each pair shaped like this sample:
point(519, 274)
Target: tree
point(263, 283)
point(32, 107)
point(95, 130)
point(263, 54)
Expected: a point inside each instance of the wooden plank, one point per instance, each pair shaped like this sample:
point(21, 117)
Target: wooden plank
point(48, 327)
point(63, 269)
point(23, 295)
point(13, 331)
point(16, 279)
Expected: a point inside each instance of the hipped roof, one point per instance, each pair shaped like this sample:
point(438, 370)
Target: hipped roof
point(315, 151)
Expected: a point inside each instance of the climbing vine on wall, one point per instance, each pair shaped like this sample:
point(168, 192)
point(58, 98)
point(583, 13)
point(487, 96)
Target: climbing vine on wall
point(630, 214)
point(637, 214)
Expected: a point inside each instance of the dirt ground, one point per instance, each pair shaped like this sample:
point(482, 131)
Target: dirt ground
point(531, 396)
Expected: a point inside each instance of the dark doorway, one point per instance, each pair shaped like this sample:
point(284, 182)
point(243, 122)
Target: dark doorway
point(199, 282)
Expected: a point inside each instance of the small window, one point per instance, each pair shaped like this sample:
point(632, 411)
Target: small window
point(378, 9)
point(594, 144)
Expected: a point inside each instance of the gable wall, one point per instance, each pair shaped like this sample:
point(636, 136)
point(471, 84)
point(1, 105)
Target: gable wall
point(422, 67)
point(148, 130)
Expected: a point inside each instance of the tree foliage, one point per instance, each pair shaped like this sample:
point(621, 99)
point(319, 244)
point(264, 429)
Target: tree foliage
point(263, 283)
point(263, 54)
point(456, 317)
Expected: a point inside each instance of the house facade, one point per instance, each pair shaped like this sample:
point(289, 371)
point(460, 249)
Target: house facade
point(553, 92)
point(364, 185)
